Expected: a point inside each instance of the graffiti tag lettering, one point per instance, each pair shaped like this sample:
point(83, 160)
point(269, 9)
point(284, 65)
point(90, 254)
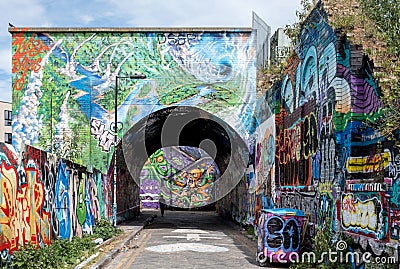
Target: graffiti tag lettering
point(176, 38)
point(105, 138)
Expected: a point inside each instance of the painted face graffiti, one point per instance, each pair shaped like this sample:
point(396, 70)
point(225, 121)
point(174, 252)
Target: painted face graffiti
point(160, 164)
point(191, 186)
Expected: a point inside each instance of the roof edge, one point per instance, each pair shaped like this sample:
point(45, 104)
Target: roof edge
point(126, 29)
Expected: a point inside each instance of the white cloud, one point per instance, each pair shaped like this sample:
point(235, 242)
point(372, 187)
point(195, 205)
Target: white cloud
point(5, 74)
point(21, 13)
point(204, 13)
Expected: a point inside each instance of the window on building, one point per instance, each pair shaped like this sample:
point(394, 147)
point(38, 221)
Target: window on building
point(7, 117)
point(8, 138)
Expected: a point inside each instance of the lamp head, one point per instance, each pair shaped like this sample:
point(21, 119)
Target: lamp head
point(137, 76)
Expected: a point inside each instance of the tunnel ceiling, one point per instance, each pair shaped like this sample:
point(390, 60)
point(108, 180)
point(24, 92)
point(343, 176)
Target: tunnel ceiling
point(188, 126)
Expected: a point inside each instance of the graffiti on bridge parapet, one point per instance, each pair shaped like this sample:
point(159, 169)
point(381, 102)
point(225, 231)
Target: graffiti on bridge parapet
point(176, 38)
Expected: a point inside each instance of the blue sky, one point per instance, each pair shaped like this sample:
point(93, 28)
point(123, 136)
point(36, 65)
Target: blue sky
point(133, 13)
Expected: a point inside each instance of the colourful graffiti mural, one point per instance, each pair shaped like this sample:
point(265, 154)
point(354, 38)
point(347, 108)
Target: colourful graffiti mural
point(323, 142)
point(279, 234)
point(313, 147)
point(45, 198)
point(363, 215)
point(328, 161)
point(184, 176)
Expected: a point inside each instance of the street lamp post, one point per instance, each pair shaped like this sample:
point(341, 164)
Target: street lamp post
point(51, 121)
point(136, 76)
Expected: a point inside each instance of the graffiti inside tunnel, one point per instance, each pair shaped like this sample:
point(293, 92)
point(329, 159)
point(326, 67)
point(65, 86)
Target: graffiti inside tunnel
point(183, 176)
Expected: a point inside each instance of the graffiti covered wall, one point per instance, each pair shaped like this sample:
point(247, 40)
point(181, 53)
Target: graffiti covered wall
point(65, 84)
point(315, 150)
point(45, 198)
point(329, 162)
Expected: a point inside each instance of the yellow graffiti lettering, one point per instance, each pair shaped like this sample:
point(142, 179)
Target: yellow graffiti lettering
point(325, 188)
point(21, 217)
point(359, 214)
point(8, 195)
point(368, 164)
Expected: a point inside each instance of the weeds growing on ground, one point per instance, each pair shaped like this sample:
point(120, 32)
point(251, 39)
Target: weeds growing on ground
point(63, 253)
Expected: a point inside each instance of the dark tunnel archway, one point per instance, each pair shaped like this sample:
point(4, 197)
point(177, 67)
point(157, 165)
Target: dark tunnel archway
point(188, 126)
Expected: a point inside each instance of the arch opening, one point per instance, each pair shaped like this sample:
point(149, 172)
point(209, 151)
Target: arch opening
point(184, 128)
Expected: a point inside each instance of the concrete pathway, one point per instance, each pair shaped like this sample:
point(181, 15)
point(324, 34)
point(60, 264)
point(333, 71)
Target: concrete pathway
point(180, 239)
point(109, 249)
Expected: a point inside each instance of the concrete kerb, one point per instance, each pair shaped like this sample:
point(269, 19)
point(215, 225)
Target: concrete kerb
point(106, 259)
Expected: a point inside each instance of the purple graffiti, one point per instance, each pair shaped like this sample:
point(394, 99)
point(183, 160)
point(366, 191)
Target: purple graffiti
point(365, 99)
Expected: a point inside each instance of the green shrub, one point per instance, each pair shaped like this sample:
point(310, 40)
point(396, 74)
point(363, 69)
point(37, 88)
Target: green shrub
point(324, 242)
point(250, 230)
point(63, 253)
point(104, 229)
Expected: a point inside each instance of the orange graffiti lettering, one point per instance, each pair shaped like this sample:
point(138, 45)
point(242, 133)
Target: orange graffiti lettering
point(26, 57)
